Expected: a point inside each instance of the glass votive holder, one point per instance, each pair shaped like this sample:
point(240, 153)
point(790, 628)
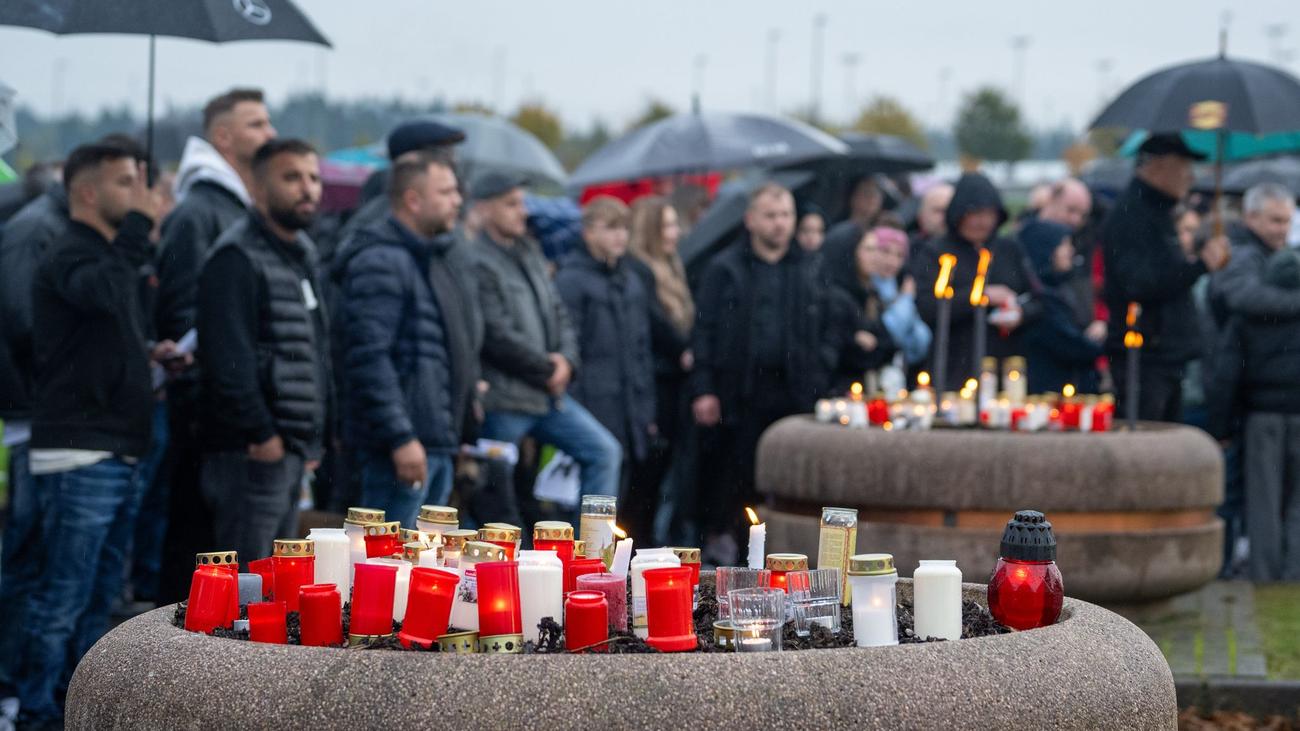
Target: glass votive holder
point(758, 616)
point(732, 577)
point(814, 599)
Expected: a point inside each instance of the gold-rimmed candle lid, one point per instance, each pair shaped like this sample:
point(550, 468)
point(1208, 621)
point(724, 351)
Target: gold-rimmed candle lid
point(288, 547)
point(364, 516)
point(216, 558)
point(787, 562)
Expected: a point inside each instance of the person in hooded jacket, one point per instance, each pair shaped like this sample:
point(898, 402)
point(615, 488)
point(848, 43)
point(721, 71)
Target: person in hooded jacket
point(610, 311)
point(1057, 350)
point(410, 337)
point(212, 191)
point(972, 220)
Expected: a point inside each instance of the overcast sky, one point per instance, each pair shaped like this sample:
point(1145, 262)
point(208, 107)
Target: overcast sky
point(594, 59)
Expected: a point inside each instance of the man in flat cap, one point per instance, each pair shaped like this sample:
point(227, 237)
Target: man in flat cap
point(530, 351)
point(1145, 265)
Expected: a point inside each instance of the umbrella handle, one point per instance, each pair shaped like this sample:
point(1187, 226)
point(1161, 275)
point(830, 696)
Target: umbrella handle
point(1219, 145)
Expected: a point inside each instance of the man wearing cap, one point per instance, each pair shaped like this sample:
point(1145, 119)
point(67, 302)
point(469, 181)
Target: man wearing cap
point(530, 350)
point(1144, 264)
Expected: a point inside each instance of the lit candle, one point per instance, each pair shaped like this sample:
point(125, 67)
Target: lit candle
point(586, 621)
point(824, 411)
point(453, 546)
point(1013, 379)
point(1133, 350)
point(401, 585)
point(1070, 409)
point(875, 621)
point(294, 563)
point(333, 557)
point(649, 558)
point(266, 623)
point(555, 535)
point(428, 611)
point(383, 539)
point(943, 294)
point(227, 561)
point(372, 602)
point(541, 589)
point(437, 519)
point(668, 608)
point(782, 563)
point(754, 644)
point(464, 611)
point(504, 535)
point(936, 588)
point(499, 619)
point(355, 528)
point(622, 556)
point(320, 608)
point(757, 540)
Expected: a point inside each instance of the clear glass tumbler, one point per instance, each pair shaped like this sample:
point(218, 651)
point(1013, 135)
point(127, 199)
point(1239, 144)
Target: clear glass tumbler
point(758, 615)
point(815, 599)
point(732, 577)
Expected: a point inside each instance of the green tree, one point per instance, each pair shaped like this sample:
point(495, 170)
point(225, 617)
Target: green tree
point(544, 124)
point(989, 127)
point(655, 110)
point(885, 115)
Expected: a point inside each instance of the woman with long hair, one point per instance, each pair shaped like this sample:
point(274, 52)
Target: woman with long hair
point(655, 232)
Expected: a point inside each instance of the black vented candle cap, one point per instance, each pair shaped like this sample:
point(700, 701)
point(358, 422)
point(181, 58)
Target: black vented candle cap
point(1028, 537)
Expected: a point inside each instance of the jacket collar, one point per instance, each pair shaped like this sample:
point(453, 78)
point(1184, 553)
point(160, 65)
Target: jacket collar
point(1152, 195)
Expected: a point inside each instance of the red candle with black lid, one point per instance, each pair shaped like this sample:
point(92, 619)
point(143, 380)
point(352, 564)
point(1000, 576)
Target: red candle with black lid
point(1026, 590)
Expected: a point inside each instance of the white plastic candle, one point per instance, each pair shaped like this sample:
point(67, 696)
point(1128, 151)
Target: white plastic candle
point(354, 527)
point(402, 588)
point(757, 541)
point(825, 411)
point(873, 578)
point(936, 588)
point(647, 558)
point(333, 558)
point(429, 558)
point(541, 589)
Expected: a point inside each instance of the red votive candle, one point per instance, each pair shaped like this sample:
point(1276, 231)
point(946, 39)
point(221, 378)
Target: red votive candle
point(373, 586)
point(581, 567)
point(1071, 410)
point(320, 609)
point(690, 558)
point(877, 410)
point(428, 606)
point(504, 538)
point(227, 561)
point(1103, 414)
point(586, 621)
point(383, 540)
point(265, 569)
point(1026, 590)
point(668, 609)
point(556, 535)
point(614, 587)
point(782, 563)
point(500, 623)
point(209, 601)
point(266, 623)
point(294, 563)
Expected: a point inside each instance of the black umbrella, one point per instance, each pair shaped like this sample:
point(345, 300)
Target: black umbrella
point(696, 142)
point(869, 154)
point(217, 21)
point(1239, 178)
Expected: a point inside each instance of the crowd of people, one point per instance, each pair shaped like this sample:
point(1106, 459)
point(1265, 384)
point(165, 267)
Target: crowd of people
point(173, 378)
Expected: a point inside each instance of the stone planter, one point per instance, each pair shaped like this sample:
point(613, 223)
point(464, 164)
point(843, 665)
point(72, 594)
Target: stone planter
point(1133, 512)
point(1092, 670)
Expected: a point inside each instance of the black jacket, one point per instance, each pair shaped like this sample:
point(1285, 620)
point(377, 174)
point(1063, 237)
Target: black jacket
point(1144, 264)
point(864, 310)
point(93, 388)
point(27, 238)
point(610, 312)
point(187, 235)
point(1240, 287)
point(813, 331)
point(409, 349)
point(1255, 367)
point(1008, 267)
point(263, 347)
point(666, 341)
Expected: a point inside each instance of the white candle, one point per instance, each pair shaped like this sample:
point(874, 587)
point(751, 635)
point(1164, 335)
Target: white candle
point(936, 587)
point(647, 558)
point(541, 589)
point(429, 558)
point(757, 542)
point(873, 579)
point(755, 644)
point(464, 609)
point(622, 557)
point(333, 558)
point(825, 411)
point(402, 588)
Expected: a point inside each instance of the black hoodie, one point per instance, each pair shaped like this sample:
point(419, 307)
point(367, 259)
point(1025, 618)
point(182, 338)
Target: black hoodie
point(1008, 267)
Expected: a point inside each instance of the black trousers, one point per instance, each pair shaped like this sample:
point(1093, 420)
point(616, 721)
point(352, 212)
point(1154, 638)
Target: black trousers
point(189, 522)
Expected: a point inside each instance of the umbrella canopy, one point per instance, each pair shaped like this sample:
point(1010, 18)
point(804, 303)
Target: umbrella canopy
point(205, 20)
point(1239, 178)
point(8, 122)
point(721, 223)
point(868, 155)
point(1220, 93)
point(1237, 146)
point(696, 142)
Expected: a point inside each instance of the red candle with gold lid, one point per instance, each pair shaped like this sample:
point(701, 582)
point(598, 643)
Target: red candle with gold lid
point(294, 563)
point(428, 606)
point(209, 600)
point(782, 563)
point(500, 621)
point(383, 540)
point(227, 561)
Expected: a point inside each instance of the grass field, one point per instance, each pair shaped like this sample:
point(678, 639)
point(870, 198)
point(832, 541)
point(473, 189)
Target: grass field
point(1277, 610)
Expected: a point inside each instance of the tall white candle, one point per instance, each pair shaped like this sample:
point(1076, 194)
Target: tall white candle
point(622, 557)
point(936, 587)
point(875, 622)
point(647, 558)
point(541, 589)
point(402, 588)
point(429, 558)
point(333, 558)
point(757, 541)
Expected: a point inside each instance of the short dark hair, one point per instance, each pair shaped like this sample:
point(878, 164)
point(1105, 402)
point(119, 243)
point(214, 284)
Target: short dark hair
point(226, 102)
point(279, 146)
point(771, 187)
point(605, 209)
point(410, 168)
point(89, 157)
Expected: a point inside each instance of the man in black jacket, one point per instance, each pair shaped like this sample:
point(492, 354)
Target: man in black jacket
point(766, 341)
point(92, 409)
point(1144, 264)
point(410, 335)
point(610, 311)
point(212, 188)
point(264, 356)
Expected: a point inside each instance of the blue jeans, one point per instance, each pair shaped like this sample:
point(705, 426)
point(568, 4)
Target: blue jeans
point(92, 520)
point(381, 490)
point(22, 563)
point(572, 429)
point(151, 525)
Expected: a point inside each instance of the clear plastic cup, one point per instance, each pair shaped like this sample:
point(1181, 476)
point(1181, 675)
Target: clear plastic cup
point(732, 577)
point(815, 599)
point(758, 616)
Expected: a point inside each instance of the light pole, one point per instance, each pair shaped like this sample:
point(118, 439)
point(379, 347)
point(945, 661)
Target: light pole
point(773, 39)
point(850, 61)
point(1103, 67)
point(819, 31)
point(698, 65)
point(1018, 46)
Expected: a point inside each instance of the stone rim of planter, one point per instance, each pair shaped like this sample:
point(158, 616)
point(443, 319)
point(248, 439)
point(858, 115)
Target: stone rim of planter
point(1091, 670)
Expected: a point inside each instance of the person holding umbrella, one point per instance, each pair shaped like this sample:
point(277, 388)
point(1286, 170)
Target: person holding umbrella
point(1144, 264)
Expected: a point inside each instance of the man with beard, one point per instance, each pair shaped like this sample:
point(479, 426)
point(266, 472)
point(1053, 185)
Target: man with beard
point(410, 337)
point(92, 407)
point(263, 356)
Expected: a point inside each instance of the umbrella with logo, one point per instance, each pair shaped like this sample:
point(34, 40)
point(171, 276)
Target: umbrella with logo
point(218, 21)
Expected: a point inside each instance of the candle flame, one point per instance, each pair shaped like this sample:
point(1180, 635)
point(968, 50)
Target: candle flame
point(923, 379)
point(887, 426)
point(981, 273)
point(1134, 312)
point(941, 288)
point(972, 384)
point(1132, 339)
point(856, 390)
point(1068, 391)
point(618, 532)
point(1013, 375)
point(753, 517)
